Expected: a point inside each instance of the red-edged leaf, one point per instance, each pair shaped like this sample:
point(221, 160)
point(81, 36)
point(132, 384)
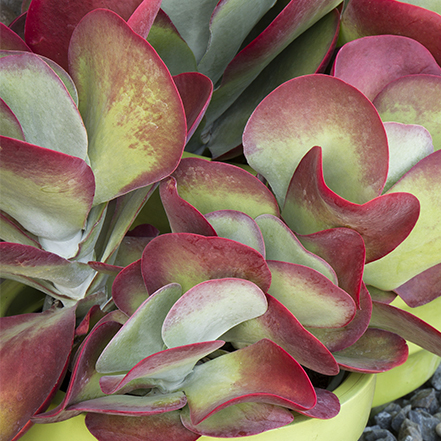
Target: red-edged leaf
point(42, 341)
point(262, 373)
point(363, 17)
point(189, 259)
point(49, 25)
point(370, 63)
point(423, 288)
point(10, 124)
point(328, 405)
point(375, 351)
point(142, 18)
point(237, 420)
point(10, 41)
point(319, 110)
point(279, 325)
point(195, 90)
point(12, 231)
point(161, 427)
point(311, 206)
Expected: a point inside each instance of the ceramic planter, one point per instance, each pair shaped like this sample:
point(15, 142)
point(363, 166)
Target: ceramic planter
point(420, 365)
point(355, 395)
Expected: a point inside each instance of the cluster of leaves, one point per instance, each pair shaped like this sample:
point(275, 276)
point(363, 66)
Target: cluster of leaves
point(206, 328)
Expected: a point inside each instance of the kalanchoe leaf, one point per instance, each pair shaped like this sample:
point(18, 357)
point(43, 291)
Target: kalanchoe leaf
point(141, 20)
point(408, 144)
point(182, 216)
point(171, 47)
point(11, 231)
point(43, 341)
point(141, 334)
point(282, 244)
point(84, 383)
point(422, 249)
point(165, 369)
point(211, 186)
point(328, 405)
point(311, 206)
point(406, 325)
point(337, 339)
point(230, 23)
point(195, 90)
point(413, 99)
point(375, 351)
point(49, 25)
point(262, 372)
point(128, 289)
point(10, 41)
point(311, 297)
point(127, 130)
point(318, 42)
point(211, 308)
point(280, 326)
point(237, 226)
point(378, 295)
point(47, 192)
point(54, 122)
point(344, 249)
point(10, 126)
point(294, 19)
point(370, 63)
point(161, 427)
point(243, 419)
point(318, 110)
point(423, 288)
point(362, 18)
point(189, 259)
point(132, 405)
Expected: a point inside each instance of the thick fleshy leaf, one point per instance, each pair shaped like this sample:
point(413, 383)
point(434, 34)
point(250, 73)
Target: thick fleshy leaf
point(375, 351)
point(10, 41)
point(422, 248)
point(370, 63)
point(49, 25)
point(189, 259)
point(414, 99)
point(311, 297)
point(129, 102)
point(182, 216)
point(10, 126)
point(47, 192)
point(28, 261)
point(318, 42)
point(293, 20)
point(27, 82)
point(344, 249)
point(406, 325)
point(132, 405)
point(319, 110)
point(195, 90)
point(170, 46)
point(11, 231)
point(141, 20)
point(211, 186)
point(282, 244)
point(337, 339)
point(328, 405)
point(161, 427)
point(43, 341)
point(311, 206)
point(211, 308)
point(237, 420)
point(423, 288)
point(128, 289)
point(84, 383)
point(141, 334)
point(262, 372)
point(363, 17)
point(165, 369)
point(408, 144)
point(237, 226)
point(279, 325)
point(230, 23)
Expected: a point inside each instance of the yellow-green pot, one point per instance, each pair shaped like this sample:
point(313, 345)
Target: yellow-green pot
point(355, 394)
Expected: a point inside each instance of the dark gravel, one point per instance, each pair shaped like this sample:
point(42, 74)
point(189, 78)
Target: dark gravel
point(415, 417)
